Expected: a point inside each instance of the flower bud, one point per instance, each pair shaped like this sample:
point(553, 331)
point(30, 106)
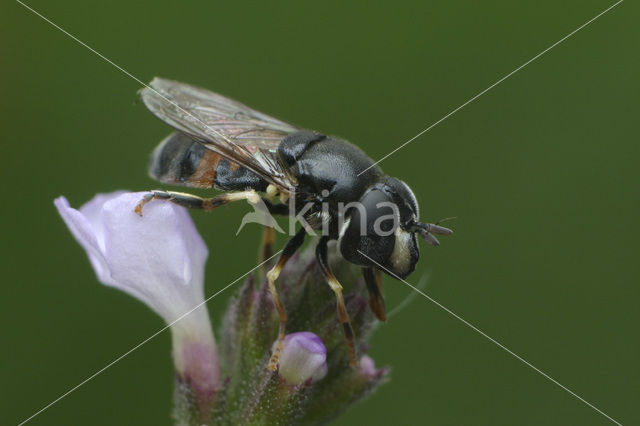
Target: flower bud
point(303, 358)
point(367, 367)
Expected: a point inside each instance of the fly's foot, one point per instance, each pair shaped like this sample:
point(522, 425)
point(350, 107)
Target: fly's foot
point(146, 199)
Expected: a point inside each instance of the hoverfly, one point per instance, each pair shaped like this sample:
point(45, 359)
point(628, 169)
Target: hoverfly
point(220, 143)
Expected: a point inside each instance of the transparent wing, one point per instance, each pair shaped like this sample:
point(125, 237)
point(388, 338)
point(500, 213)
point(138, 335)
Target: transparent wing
point(233, 130)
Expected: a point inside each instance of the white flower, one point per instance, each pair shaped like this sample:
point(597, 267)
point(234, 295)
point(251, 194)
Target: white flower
point(159, 259)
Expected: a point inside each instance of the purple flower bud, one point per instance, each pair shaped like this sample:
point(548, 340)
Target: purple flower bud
point(303, 357)
point(159, 259)
point(367, 367)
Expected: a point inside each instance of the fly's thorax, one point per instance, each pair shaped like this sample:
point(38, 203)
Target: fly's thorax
point(334, 165)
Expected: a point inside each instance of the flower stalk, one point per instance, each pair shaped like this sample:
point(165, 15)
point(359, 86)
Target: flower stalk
point(197, 370)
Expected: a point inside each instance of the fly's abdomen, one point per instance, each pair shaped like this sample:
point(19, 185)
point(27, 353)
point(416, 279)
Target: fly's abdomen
point(179, 160)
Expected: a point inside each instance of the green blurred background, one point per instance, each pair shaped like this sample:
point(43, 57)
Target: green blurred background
point(541, 171)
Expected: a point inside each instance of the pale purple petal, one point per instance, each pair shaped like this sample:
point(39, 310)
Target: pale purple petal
point(303, 357)
point(156, 254)
point(158, 258)
point(92, 210)
point(85, 234)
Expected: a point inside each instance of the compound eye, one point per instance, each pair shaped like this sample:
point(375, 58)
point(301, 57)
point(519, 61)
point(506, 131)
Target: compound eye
point(371, 228)
point(375, 215)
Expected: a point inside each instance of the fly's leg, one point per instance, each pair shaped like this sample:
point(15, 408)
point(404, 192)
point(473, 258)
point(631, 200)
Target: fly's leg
point(343, 316)
point(194, 202)
point(269, 233)
point(267, 243)
point(373, 279)
point(291, 247)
